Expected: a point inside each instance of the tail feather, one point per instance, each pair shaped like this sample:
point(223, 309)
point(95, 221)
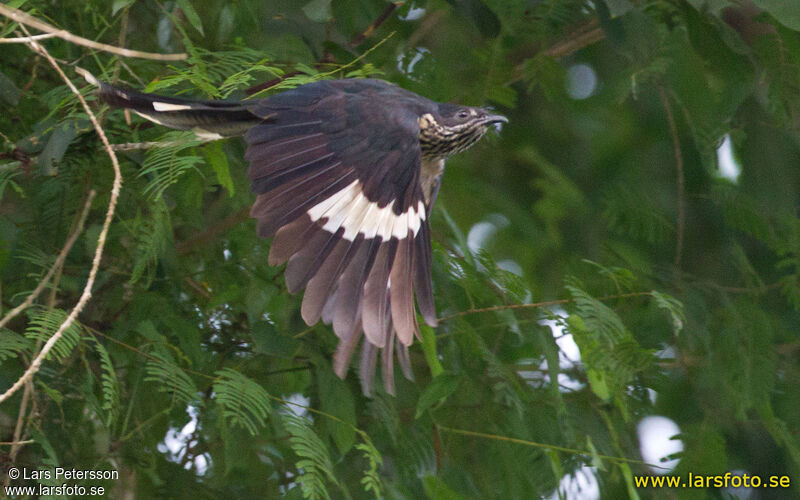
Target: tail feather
point(208, 119)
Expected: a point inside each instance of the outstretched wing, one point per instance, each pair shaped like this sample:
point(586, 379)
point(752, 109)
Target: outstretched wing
point(337, 171)
point(336, 166)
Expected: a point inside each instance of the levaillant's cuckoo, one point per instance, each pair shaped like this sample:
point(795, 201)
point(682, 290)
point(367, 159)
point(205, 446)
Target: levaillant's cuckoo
point(345, 173)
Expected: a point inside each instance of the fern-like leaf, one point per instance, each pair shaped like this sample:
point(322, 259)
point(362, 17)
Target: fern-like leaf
point(44, 323)
point(11, 344)
point(610, 354)
point(109, 383)
point(152, 235)
point(169, 377)
point(7, 173)
point(371, 480)
point(315, 464)
point(246, 77)
point(599, 318)
point(243, 401)
point(673, 306)
point(165, 164)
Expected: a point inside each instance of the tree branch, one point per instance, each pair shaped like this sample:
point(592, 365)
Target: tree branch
point(585, 35)
point(546, 446)
point(212, 232)
point(536, 305)
point(18, 443)
point(56, 265)
point(26, 39)
point(101, 240)
point(326, 58)
point(25, 19)
point(356, 41)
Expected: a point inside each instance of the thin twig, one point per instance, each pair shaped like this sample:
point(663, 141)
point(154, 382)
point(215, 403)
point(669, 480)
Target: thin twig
point(134, 146)
point(676, 147)
point(23, 407)
point(12, 443)
point(26, 39)
point(537, 305)
point(583, 38)
point(757, 290)
point(212, 232)
point(546, 446)
point(27, 395)
point(197, 287)
point(56, 265)
point(121, 41)
point(101, 240)
point(326, 58)
point(358, 39)
point(255, 89)
point(25, 19)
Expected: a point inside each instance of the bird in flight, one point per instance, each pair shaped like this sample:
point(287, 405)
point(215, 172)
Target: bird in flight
point(345, 173)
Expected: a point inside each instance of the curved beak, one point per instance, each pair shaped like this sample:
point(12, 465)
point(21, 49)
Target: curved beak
point(494, 121)
point(490, 119)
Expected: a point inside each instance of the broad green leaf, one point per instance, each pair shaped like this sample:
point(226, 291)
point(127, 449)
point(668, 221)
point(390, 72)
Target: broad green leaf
point(787, 12)
point(318, 10)
point(436, 489)
point(337, 400)
point(628, 475)
point(9, 93)
point(56, 146)
point(219, 162)
point(191, 15)
point(119, 5)
point(597, 381)
point(429, 348)
point(440, 388)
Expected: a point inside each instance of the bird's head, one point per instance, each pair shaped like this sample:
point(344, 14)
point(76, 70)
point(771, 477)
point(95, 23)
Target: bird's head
point(455, 129)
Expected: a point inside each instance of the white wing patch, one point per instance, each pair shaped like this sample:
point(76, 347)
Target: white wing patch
point(205, 135)
point(167, 106)
point(350, 209)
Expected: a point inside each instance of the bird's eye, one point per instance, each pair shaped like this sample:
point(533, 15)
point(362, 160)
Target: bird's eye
point(463, 114)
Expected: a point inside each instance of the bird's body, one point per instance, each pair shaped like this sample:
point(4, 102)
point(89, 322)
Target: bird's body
point(345, 173)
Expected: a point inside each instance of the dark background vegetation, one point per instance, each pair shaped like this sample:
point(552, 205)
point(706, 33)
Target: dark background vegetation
point(594, 195)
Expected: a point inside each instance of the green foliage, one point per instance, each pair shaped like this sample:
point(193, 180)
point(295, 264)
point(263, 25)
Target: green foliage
point(7, 173)
point(11, 344)
point(217, 73)
point(170, 378)
point(608, 350)
point(164, 164)
point(567, 226)
point(109, 383)
point(314, 464)
point(43, 324)
point(371, 480)
point(152, 235)
point(243, 401)
point(437, 391)
point(673, 307)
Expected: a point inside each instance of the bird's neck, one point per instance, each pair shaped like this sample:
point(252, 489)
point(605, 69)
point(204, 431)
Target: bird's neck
point(437, 142)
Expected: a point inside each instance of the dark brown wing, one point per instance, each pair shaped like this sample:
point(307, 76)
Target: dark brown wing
point(336, 166)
